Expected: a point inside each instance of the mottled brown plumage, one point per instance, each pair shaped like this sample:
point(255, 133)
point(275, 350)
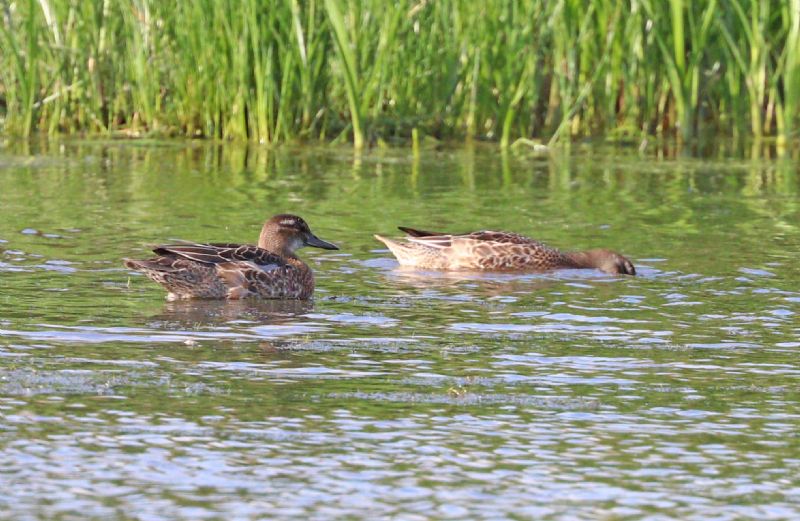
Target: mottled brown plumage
point(496, 251)
point(270, 270)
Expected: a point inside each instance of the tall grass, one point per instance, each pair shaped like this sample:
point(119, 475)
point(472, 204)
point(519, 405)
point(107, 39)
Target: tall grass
point(370, 70)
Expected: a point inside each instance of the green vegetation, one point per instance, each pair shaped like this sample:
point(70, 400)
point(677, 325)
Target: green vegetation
point(279, 70)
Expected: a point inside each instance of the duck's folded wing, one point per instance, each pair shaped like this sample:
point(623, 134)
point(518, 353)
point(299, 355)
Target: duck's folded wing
point(218, 253)
point(442, 240)
point(413, 232)
point(432, 241)
point(245, 278)
point(499, 237)
point(473, 239)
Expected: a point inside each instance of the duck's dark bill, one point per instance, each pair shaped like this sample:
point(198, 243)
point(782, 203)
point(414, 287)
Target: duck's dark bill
point(316, 242)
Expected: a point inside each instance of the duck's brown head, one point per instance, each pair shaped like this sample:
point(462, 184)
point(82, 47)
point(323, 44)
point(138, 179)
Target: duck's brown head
point(608, 261)
point(285, 233)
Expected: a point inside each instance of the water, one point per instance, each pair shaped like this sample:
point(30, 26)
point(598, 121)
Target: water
point(570, 395)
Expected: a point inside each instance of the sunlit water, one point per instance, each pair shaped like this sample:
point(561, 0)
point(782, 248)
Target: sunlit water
point(411, 395)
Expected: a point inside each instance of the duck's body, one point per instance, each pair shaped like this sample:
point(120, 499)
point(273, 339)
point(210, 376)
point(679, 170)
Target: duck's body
point(270, 270)
point(496, 251)
point(226, 271)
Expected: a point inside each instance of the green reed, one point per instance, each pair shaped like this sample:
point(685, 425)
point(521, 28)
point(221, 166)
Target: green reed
point(371, 71)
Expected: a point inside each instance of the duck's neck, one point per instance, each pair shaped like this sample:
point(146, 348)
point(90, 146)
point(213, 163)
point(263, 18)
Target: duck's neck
point(277, 245)
point(581, 259)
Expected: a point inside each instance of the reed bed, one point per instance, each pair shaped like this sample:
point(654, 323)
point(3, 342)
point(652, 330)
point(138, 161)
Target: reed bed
point(371, 70)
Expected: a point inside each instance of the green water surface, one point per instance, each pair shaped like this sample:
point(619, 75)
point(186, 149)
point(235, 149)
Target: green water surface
point(401, 394)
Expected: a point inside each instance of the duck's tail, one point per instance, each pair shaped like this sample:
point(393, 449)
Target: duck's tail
point(182, 278)
point(135, 265)
point(159, 270)
point(413, 254)
point(150, 265)
point(404, 252)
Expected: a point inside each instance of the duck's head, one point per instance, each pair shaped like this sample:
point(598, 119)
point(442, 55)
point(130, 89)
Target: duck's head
point(604, 260)
point(609, 261)
point(285, 233)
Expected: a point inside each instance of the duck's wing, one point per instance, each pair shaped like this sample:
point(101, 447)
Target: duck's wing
point(499, 237)
point(433, 241)
point(413, 232)
point(441, 240)
point(220, 253)
point(425, 238)
point(284, 280)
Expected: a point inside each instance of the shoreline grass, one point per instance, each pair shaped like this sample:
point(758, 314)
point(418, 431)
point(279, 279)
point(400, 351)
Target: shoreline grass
point(368, 70)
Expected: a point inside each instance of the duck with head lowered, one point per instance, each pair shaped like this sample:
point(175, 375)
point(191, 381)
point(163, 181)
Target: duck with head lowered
point(496, 251)
point(270, 270)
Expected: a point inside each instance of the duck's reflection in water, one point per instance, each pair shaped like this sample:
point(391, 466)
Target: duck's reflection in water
point(487, 284)
point(200, 314)
point(273, 325)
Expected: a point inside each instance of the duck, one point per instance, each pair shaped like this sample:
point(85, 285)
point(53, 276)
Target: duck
point(496, 251)
point(269, 270)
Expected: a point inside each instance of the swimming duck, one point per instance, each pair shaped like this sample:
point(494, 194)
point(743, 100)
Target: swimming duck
point(496, 251)
point(270, 270)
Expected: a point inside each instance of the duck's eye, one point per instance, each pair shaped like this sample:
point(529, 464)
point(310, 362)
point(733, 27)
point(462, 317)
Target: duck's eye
point(289, 223)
